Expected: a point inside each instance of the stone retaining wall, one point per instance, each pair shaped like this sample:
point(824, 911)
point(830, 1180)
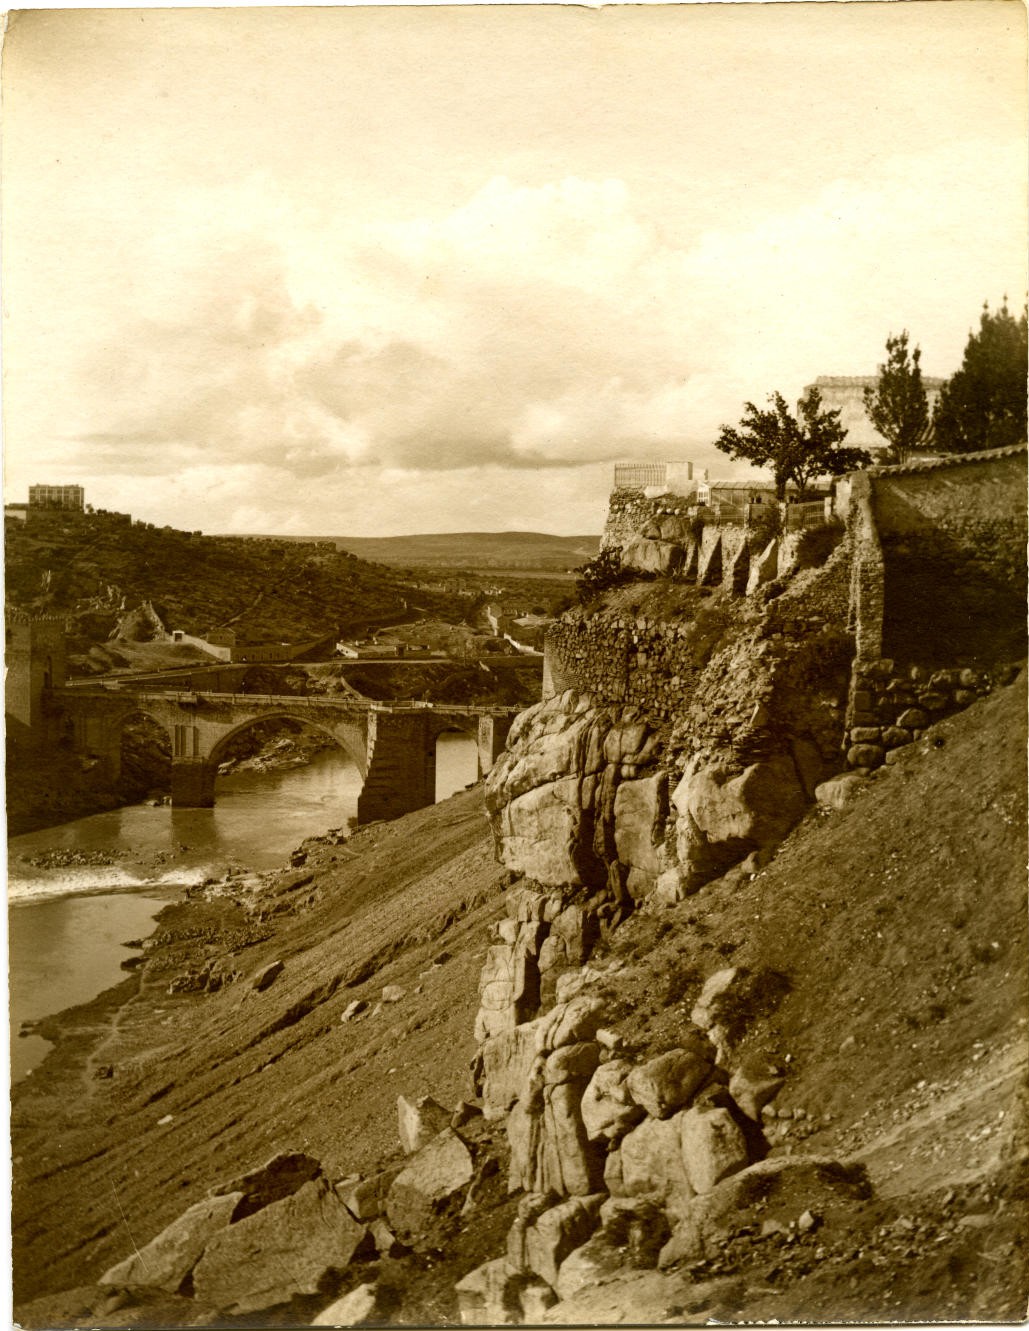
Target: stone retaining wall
point(630, 659)
point(892, 706)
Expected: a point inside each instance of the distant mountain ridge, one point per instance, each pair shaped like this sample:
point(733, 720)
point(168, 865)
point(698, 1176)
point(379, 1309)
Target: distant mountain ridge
point(507, 549)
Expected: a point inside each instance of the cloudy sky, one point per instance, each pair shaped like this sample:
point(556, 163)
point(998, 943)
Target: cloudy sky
point(386, 270)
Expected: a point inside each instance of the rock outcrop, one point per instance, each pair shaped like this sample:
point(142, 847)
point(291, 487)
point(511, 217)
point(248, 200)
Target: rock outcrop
point(285, 1249)
point(578, 788)
point(619, 1162)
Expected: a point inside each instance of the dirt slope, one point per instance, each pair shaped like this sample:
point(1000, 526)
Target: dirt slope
point(897, 928)
point(94, 1160)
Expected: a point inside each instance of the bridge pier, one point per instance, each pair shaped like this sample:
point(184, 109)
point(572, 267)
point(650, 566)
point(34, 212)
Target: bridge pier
point(192, 783)
point(392, 745)
point(492, 736)
point(401, 766)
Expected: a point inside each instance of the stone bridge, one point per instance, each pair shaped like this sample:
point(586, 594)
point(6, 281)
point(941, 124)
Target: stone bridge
point(392, 744)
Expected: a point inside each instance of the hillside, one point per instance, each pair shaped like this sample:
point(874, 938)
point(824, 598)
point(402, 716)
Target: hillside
point(898, 1023)
point(95, 568)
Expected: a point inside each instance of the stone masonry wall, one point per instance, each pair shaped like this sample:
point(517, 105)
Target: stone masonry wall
point(892, 705)
point(940, 577)
point(937, 593)
point(630, 658)
point(630, 512)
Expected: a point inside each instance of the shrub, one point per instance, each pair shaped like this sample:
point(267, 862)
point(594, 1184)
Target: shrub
point(598, 574)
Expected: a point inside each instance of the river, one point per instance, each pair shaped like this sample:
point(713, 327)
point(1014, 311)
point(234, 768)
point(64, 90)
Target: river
point(67, 925)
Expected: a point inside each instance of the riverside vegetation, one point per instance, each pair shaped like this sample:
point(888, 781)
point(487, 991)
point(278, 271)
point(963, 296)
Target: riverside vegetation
point(699, 1025)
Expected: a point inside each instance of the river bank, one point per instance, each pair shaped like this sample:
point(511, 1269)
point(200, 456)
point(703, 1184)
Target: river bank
point(199, 1078)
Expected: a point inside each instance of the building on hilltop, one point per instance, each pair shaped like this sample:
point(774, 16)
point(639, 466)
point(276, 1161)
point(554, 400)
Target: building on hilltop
point(658, 477)
point(846, 393)
point(72, 497)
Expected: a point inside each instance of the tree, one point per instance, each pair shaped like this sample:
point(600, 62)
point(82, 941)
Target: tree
point(795, 450)
point(898, 406)
point(983, 405)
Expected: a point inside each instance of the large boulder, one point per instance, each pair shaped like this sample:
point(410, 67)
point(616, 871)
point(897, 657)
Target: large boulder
point(507, 1061)
point(418, 1121)
point(290, 1247)
point(432, 1176)
point(651, 1163)
point(550, 1152)
point(541, 833)
point(365, 1198)
point(569, 1023)
point(608, 1110)
point(758, 805)
point(509, 988)
point(573, 933)
point(640, 808)
point(557, 1231)
point(572, 1062)
point(596, 1260)
point(754, 1084)
point(675, 1158)
point(712, 1146)
point(489, 1295)
point(668, 1082)
point(167, 1259)
point(725, 814)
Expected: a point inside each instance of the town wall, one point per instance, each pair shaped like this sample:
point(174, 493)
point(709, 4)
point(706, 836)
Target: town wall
point(940, 578)
point(928, 587)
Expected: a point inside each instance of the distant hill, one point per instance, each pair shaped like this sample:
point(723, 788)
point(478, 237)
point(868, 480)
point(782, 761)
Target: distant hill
point(93, 568)
point(476, 549)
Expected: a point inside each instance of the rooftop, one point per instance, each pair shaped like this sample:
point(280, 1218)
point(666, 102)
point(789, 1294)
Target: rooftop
point(949, 460)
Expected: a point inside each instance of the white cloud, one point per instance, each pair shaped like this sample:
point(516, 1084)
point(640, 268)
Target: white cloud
point(252, 347)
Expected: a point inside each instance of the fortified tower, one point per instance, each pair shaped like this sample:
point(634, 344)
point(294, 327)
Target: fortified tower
point(35, 660)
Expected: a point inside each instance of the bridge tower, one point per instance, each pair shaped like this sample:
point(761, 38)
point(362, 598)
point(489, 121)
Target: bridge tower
point(34, 652)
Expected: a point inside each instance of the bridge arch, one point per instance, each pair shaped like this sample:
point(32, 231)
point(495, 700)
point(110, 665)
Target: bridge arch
point(106, 739)
point(354, 746)
point(455, 758)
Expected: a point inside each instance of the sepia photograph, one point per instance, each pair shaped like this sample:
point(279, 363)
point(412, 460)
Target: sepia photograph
point(515, 527)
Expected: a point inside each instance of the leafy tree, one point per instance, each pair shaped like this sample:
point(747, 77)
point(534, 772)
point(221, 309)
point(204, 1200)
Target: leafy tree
point(898, 406)
point(798, 448)
point(983, 405)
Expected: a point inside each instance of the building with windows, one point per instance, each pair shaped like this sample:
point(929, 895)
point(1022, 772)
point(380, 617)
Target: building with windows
point(846, 393)
point(71, 497)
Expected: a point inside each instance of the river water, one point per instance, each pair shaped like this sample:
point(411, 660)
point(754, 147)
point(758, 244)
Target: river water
point(67, 925)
